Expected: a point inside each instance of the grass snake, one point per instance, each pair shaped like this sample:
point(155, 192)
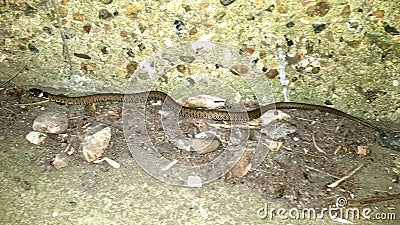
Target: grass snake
point(390, 139)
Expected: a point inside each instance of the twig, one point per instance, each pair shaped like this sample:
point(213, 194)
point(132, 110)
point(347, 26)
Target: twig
point(171, 164)
point(34, 103)
point(337, 150)
point(374, 200)
point(316, 146)
point(336, 183)
point(326, 173)
point(230, 126)
point(23, 68)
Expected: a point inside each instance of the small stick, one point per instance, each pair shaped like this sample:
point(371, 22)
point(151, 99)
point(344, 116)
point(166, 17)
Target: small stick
point(171, 164)
point(34, 103)
point(23, 68)
point(316, 146)
point(336, 183)
point(374, 200)
point(229, 126)
point(326, 173)
point(337, 150)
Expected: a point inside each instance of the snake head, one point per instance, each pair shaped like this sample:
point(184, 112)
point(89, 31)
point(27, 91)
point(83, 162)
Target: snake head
point(38, 93)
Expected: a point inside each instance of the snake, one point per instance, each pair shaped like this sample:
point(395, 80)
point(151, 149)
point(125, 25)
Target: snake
point(213, 114)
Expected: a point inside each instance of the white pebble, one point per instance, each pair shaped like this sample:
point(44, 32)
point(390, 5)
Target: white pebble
point(194, 181)
point(35, 137)
point(60, 161)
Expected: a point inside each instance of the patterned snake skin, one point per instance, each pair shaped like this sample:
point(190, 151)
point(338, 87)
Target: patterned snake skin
point(193, 112)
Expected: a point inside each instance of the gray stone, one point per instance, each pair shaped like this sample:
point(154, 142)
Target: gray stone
point(51, 123)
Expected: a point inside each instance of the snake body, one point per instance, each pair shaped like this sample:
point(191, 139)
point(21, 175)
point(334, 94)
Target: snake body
point(184, 111)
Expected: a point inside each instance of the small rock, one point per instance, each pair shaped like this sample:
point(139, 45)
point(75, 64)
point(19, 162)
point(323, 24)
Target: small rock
point(239, 69)
point(54, 214)
point(35, 137)
point(315, 70)
point(131, 67)
point(290, 25)
point(132, 11)
point(87, 28)
point(104, 14)
point(320, 9)
point(33, 48)
point(179, 25)
point(362, 150)
point(346, 11)
point(51, 123)
point(60, 161)
point(106, 1)
point(354, 26)
point(181, 68)
point(379, 13)
point(282, 6)
point(202, 101)
point(93, 146)
point(272, 73)
point(193, 31)
point(226, 2)
point(48, 30)
point(194, 181)
point(391, 30)
point(319, 27)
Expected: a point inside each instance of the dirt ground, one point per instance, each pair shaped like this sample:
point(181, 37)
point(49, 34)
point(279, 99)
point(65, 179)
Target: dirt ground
point(295, 176)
